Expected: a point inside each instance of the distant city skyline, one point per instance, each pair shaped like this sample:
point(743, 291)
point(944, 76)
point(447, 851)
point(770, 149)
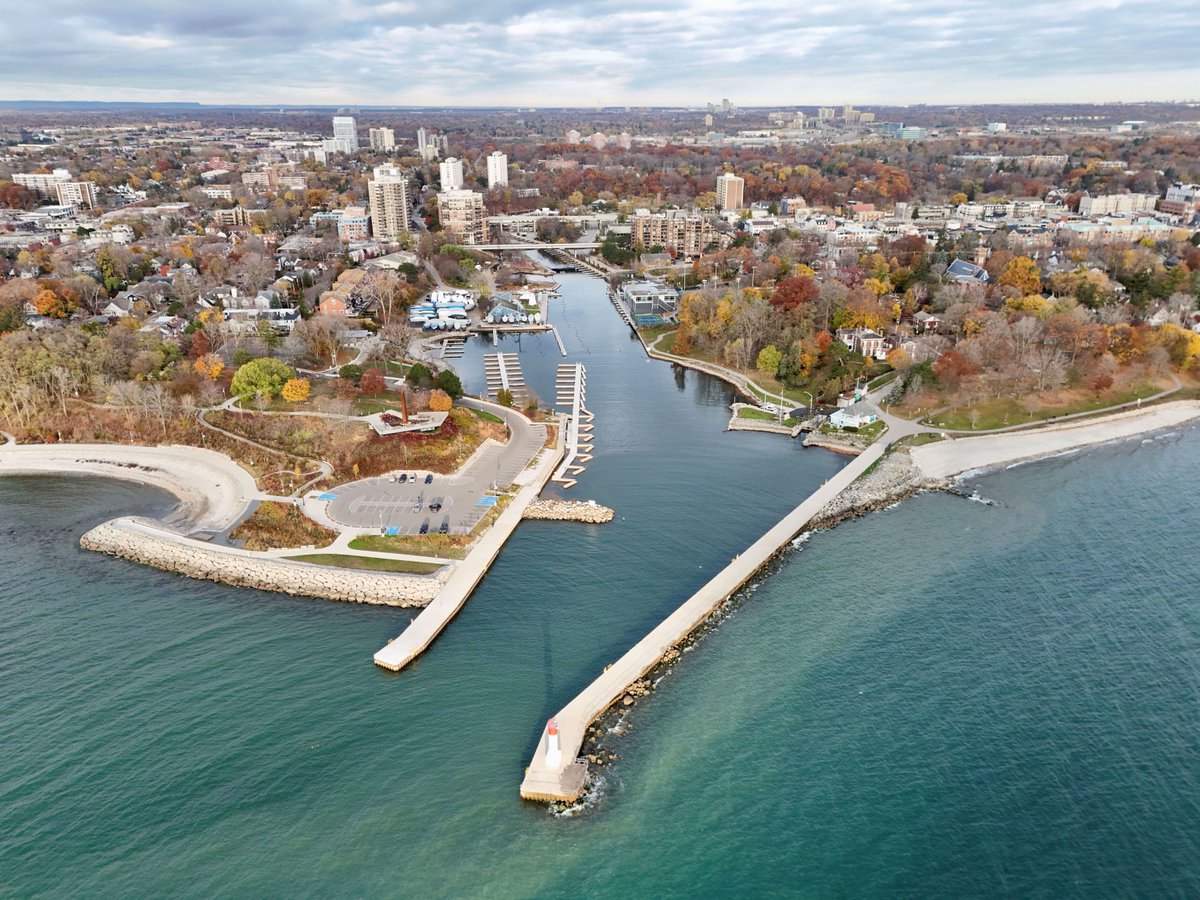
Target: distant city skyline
point(615, 53)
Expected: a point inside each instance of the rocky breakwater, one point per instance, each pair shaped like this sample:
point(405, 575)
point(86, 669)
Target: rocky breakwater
point(893, 478)
point(569, 511)
point(162, 550)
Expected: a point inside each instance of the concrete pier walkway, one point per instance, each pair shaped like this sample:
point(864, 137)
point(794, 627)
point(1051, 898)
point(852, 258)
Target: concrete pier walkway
point(562, 777)
point(467, 574)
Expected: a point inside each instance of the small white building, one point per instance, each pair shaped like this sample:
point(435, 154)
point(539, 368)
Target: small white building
point(857, 415)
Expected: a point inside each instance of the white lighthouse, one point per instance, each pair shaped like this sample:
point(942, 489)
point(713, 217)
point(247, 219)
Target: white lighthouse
point(553, 748)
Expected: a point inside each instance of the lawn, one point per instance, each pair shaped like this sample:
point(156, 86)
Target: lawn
point(369, 563)
point(487, 416)
point(762, 415)
point(276, 525)
point(1004, 411)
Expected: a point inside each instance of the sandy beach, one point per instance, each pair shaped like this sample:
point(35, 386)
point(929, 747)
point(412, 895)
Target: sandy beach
point(212, 489)
point(953, 457)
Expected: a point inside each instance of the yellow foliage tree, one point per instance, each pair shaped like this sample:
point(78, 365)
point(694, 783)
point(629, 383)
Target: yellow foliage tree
point(439, 401)
point(803, 269)
point(48, 303)
point(209, 316)
point(210, 366)
point(877, 286)
point(899, 360)
point(296, 390)
point(1023, 274)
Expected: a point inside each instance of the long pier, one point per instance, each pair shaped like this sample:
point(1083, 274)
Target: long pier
point(571, 392)
point(458, 587)
point(554, 774)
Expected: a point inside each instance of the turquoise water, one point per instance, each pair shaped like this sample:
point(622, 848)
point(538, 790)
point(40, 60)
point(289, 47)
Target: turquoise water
point(945, 699)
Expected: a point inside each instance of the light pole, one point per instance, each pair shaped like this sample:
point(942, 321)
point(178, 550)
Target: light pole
point(811, 401)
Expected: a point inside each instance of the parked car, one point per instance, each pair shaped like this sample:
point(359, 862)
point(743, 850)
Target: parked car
point(425, 527)
point(435, 505)
point(403, 478)
point(429, 479)
point(445, 526)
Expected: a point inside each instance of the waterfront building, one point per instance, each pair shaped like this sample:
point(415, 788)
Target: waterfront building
point(451, 174)
point(382, 138)
point(730, 190)
point(387, 196)
point(345, 134)
point(497, 169)
point(462, 214)
point(687, 233)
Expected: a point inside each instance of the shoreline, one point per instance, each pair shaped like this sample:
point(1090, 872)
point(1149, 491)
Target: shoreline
point(897, 475)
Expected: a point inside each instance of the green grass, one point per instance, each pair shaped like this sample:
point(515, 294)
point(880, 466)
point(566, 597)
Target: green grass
point(763, 416)
point(1004, 411)
point(487, 416)
point(444, 546)
point(369, 563)
point(917, 440)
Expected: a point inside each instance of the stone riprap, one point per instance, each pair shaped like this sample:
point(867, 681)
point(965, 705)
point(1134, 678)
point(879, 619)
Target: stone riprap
point(569, 511)
point(139, 543)
point(894, 478)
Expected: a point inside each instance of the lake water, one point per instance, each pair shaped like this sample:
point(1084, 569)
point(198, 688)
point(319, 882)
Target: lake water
point(944, 699)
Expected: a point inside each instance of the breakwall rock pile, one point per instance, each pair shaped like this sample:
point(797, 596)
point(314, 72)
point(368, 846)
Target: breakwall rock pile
point(569, 511)
point(895, 477)
point(242, 569)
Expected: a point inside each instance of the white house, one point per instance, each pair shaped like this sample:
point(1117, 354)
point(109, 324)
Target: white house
point(857, 415)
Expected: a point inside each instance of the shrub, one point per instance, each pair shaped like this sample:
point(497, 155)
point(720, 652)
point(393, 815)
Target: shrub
point(439, 401)
point(351, 372)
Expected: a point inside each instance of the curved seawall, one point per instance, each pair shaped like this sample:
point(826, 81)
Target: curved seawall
point(141, 543)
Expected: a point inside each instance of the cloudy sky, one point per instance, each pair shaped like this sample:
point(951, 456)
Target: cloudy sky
point(555, 53)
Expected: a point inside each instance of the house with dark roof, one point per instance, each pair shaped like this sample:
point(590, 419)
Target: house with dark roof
point(965, 272)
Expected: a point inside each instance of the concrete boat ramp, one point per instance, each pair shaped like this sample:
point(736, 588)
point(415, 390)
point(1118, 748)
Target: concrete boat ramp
point(554, 773)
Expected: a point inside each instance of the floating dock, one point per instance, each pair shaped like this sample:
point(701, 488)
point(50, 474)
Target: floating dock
point(503, 372)
point(570, 393)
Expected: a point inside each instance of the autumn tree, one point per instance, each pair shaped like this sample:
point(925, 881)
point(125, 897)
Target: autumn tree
point(793, 291)
point(48, 303)
point(210, 366)
point(951, 368)
point(1023, 274)
point(296, 390)
point(768, 360)
point(263, 376)
point(372, 382)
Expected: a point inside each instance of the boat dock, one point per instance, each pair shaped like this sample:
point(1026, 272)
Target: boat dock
point(570, 387)
point(554, 773)
point(620, 307)
point(503, 372)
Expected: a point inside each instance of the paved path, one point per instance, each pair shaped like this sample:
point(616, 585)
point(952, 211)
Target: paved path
point(563, 779)
point(467, 574)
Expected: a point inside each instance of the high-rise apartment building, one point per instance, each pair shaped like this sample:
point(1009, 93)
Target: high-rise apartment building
point(42, 184)
point(79, 194)
point(451, 174)
point(462, 214)
point(387, 197)
point(688, 234)
point(730, 189)
point(497, 166)
point(382, 138)
point(345, 134)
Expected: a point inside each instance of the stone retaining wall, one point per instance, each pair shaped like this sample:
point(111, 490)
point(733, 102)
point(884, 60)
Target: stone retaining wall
point(569, 511)
point(239, 568)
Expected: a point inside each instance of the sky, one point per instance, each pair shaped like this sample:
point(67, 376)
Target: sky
point(611, 52)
